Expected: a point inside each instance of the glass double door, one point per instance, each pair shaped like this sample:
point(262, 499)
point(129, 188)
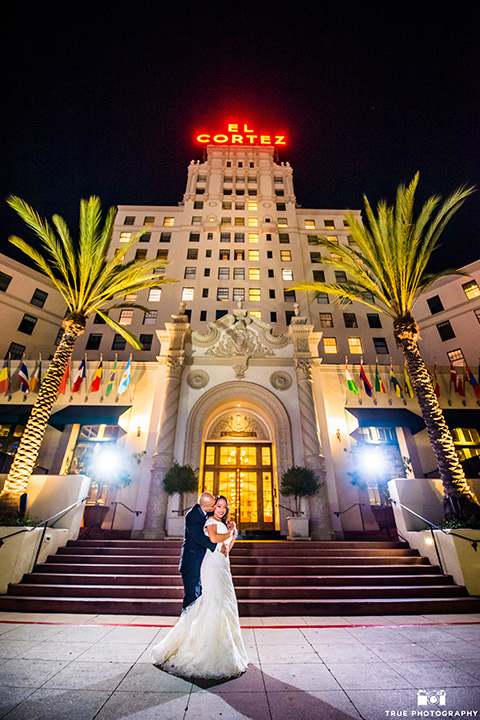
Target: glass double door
point(243, 473)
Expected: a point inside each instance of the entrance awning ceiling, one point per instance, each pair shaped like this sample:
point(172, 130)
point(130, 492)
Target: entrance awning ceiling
point(87, 415)
point(17, 414)
point(388, 417)
point(458, 418)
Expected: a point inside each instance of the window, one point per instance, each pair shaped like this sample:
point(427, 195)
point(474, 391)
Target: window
point(202, 179)
point(93, 342)
point(256, 313)
point(194, 237)
point(15, 351)
point(254, 294)
point(222, 293)
point(203, 315)
point(281, 206)
point(252, 222)
point(198, 205)
point(220, 313)
point(340, 276)
point(380, 346)
point(169, 221)
point(283, 238)
point(240, 221)
point(208, 253)
point(330, 346)
point(287, 274)
point(224, 255)
point(119, 342)
point(98, 320)
point(350, 320)
point(315, 257)
point(141, 255)
point(254, 255)
point(150, 317)
point(253, 237)
point(278, 179)
point(239, 273)
point(149, 220)
point(38, 298)
point(125, 237)
point(228, 178)
point(210, 235)
point(187, 294)
point(445, 330)
point(326, 320)
point(269, 255)
point(279, 193)
point(329, 223)
point(355, 345)
point(27, 324)
point(226, 206)
point(206, 272)
point(225, 237)
point(197, 220)
point(126, 317)
point(282, 222)
point(289, 296)
point(477, 314)
point(310, 224)
point(285, 255)
point(252, 179)
point(238, 294)
point(454, 355)
point(146, 237)
point(268, 236)
point(254, 273)
point(146, 341)
point(471, 289)
point(239, 255)
point(319, 276)
point(312, 239)
point(273, 317)
point(190, 273)
point(289, 314)
point(252, 205)
point(165, 237)
point(129, 220)
point(154, 295)
point(192, 254)
point(204, 292)
point(199, 191)
point(374, 320)
point(435, 304)
point(271, 273)
point(322, 298)
point(239, 237)
point(224, 272)
point(271, 294)
point(239, 206)
point(226, 221)
point(162, 254)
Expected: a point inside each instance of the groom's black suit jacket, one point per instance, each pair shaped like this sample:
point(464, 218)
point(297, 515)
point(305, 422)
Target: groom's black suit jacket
point(195, 543)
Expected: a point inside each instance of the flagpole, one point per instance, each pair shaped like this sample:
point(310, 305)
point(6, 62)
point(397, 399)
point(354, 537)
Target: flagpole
point(390, 383)
point(345, 383)
point(131, 384)
point(86, 380)
point(101, 378)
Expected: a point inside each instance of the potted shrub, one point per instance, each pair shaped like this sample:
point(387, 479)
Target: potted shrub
point(181, 479)
point(298, 482)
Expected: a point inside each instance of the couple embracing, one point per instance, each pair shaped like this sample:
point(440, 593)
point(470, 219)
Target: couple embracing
point(206, 641)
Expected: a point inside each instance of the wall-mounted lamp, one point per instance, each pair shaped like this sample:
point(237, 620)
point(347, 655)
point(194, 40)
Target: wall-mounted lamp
point(339, 435)
point(139, 431)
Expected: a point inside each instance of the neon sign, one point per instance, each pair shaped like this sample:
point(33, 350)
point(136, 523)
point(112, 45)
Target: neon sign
point(240, 134)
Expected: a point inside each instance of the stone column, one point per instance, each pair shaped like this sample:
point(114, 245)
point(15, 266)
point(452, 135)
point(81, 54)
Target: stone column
point(304, 340)
point(163, 457)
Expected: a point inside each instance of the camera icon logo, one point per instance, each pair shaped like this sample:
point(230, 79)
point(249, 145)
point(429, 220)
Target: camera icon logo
point(431, 697)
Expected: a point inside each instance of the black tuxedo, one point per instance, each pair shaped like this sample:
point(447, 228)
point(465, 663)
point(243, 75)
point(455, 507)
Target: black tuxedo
point(194, 548)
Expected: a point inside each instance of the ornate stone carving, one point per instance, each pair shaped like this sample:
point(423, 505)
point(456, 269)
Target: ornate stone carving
point(239, 334)
point(281, 380)
point(240, 370)
point(238, 425)
point(198, 379)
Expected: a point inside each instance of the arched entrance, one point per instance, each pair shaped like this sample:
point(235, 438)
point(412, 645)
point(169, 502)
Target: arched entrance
point(238, 434)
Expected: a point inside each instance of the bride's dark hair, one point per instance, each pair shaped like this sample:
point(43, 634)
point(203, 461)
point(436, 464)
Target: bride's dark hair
point(227, 511)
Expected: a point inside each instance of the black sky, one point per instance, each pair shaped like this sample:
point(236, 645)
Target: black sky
point(104, 97)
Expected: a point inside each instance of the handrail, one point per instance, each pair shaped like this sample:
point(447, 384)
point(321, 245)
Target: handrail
point(360, 505)
point(294, 512)
point(137, 512)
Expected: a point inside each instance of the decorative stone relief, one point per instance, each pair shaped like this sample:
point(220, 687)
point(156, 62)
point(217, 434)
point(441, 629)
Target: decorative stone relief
point(238, 425)
point(239, 334)
point(281, 380)
point(198, 379)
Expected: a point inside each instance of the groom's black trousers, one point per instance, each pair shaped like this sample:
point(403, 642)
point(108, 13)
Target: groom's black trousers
point(192, 588)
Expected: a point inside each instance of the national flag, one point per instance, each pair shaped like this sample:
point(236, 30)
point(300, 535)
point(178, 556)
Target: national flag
point(63, 382)
point(379, 386)
point(457, 382)
point(396, 385)
point(78, 377)
point(5, 375)
point(36, 378)
point(97, 378)
point(367, 387)
point(23, 377)
point(408, 384)
point(436, 386)
point(126, 378)
point(111, 379)
point(470, 378)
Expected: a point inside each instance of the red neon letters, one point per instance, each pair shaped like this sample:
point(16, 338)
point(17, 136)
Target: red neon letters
point(244, 136)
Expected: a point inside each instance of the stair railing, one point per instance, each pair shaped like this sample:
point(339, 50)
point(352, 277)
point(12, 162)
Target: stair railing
point(360, 505)
point(137, 512)
point(52, 520)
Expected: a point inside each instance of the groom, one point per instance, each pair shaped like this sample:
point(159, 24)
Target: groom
point(194, 547)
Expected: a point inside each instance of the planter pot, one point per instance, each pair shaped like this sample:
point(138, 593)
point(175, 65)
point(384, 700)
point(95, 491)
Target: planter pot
point(297, 528)
point(17, 554)
point(176, 526)
point(385, 519)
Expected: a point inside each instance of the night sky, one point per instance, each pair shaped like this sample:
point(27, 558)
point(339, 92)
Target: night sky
point(104, 98)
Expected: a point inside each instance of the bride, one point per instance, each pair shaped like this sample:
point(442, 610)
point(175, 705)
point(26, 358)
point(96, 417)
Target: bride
point(206, 641)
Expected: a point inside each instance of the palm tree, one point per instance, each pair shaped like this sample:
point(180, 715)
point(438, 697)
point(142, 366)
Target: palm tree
point(388, 272)
point(88, 280)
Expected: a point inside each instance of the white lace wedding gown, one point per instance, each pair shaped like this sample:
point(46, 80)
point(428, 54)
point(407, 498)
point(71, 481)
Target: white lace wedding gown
point(206, 641)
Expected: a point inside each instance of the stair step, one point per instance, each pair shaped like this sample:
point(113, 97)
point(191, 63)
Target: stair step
point(235, 560)
point(284, 553)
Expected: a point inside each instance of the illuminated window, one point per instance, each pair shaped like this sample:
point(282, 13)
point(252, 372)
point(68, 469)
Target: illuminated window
point(239, 254)
point(252, 222)
point(326, 320)
point(330, 346)
point(282, 222)
point(289, 296)
point(254, 273)
point(187, 293)
point(226, 220)
point(252, 205)
point(224, 272)
point(150, 317)
point(355, 346)
point(287, 274)
point(190, 273)
point(129, 220)
point(471, 289)
point(168, 221)
point(350, 320)
point(253, 237)
point(238, 294)
point(254, 255)
point(197, 220)
point(254, 294)
point(125, 236)
point(285, 255)
point(256, 313)
point(454, 355)
point(240, 221)
point(333, 239)
point(222, 293)
point(239, 273)
point(149, 220)
point(154, 294)
point(445, 330)
point(310, 224)
point(224, 254)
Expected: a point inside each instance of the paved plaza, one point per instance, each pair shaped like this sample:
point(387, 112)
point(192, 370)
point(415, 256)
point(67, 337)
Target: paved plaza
point(86, 667)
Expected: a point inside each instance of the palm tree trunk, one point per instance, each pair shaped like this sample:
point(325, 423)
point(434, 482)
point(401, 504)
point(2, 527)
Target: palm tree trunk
point(29, 447)
point(459, 498)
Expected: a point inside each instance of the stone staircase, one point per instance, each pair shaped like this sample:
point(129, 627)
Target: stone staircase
point(272, 578)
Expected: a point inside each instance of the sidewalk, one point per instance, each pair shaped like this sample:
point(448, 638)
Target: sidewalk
point(86, 667)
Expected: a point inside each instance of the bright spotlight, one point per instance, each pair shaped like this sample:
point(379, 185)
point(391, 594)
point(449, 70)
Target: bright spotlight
point(107, 461)
point(372, 460)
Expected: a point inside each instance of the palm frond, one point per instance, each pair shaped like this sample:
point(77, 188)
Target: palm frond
point(120, 329)
point(44, 267)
